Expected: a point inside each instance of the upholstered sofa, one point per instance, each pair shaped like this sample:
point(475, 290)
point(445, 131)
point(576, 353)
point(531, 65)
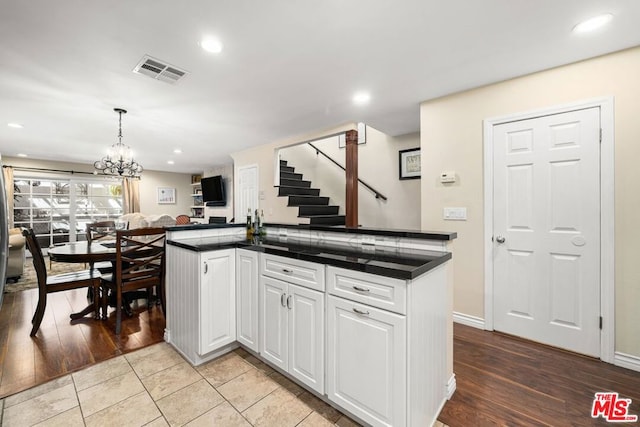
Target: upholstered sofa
point(139, 220)
point(15, 263)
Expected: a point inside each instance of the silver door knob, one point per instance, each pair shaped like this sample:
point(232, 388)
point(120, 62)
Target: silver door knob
point(500, 239)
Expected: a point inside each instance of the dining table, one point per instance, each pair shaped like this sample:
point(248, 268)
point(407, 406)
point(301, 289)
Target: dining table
point(85, 252)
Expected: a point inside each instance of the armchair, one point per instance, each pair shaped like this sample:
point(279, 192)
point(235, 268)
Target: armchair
point(15, 263)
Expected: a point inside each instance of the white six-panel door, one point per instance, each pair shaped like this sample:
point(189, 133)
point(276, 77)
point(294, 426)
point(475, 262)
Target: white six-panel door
point(546, 246)
point(246, 191)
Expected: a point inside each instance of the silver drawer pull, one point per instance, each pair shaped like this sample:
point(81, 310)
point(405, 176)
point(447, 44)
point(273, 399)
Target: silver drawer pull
point(359, 289)
point(284, 270)
point(365, 313)
point(282, 300)
point(289, 302)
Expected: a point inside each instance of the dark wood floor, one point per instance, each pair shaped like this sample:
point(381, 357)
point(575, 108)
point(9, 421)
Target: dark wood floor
point(506, 381)
point(61, 345)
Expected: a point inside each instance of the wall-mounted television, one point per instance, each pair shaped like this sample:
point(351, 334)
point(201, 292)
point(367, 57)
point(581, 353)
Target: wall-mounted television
point(213, 193)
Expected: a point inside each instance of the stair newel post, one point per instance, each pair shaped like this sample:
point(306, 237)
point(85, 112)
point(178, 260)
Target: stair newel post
point(351, 219)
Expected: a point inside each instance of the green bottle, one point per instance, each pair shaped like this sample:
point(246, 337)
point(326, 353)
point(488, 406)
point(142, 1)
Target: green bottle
point(249, 225)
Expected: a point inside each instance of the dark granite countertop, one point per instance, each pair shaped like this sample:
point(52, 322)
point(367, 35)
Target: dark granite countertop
point(399, 263)
point(202, 226)
point(412, 234)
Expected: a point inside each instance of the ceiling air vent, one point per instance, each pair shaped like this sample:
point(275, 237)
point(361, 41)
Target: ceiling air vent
point(159, 70)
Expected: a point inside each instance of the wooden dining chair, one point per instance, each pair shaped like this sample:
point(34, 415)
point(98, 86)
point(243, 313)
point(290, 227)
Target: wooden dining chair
point(60, 282)
point(101, 230)
point(183, 219)
point(140, 256)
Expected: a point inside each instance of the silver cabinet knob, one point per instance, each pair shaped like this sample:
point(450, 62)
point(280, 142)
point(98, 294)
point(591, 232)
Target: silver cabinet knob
point(500, 239)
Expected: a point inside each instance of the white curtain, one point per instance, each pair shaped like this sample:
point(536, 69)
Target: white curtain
point(131, 195)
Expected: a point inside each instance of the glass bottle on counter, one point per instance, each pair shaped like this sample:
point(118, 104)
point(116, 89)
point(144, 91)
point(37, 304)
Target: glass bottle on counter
point(262, 230)
point(249, 225)
point(258, 224)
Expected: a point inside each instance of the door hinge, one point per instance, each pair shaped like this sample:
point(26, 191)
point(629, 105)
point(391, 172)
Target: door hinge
point(601, 135)
point(600, 322)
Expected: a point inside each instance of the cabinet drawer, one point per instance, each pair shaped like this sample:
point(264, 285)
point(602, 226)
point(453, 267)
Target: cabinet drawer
point(377, 291)
point(303, 273)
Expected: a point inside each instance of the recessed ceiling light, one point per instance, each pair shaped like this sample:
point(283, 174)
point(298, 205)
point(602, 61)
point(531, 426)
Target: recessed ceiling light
point(15, 125)
point(177, 151)
point(592, 23)
point(170, 162)
point(211, 45)
point(361, 98)
point(21, 155)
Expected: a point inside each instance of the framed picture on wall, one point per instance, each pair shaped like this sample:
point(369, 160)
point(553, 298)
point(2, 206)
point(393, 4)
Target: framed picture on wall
point(166, 195)
point(409, 166)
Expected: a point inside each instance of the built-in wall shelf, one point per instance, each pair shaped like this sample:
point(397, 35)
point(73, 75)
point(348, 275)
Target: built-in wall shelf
point(197, 206)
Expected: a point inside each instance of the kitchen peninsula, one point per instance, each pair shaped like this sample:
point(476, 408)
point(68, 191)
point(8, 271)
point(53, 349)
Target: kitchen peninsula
point(360, 317)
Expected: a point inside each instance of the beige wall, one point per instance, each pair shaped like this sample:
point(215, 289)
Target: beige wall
point(275, 208)
point(451, 139)
point(378, 167)
point(149, 183)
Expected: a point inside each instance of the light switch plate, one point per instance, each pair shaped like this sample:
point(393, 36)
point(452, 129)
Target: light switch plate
point(455, 214)
point(447, 177)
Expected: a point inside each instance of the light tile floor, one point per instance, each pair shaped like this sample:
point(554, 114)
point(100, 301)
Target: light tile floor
point(156, 387)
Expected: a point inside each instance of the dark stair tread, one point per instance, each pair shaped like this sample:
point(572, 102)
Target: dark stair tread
point(306, 210)
point(289, 169)
point(295, 183)
point(283, 163)
point(285, 190)
point(326, 219)
point(303, 200)
point(320, 216)
point(290, 175)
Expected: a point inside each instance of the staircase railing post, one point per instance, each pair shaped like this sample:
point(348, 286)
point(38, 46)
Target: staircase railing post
point(351, 217)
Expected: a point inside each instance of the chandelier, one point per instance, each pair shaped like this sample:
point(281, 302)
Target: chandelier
point(119, 160)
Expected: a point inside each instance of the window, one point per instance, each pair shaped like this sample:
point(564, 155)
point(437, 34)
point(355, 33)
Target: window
point(59, 209)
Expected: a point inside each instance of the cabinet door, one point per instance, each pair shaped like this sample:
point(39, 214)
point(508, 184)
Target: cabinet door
point(247, 298)
point(273, 324)
point(366, 361)
point(217, 300)
point(306, 336)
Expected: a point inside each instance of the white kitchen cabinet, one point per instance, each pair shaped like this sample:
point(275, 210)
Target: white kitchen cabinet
point(217, 299)
point(386, 346)
point(366, 361)
point(247, 308)
point(292, 330)
point(201, 301)
point(274, 325)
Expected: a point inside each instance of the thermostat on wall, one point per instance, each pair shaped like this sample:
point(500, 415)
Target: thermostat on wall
point(449, 176)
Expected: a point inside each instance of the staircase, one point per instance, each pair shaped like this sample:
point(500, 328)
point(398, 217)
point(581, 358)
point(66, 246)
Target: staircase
point(308, 200)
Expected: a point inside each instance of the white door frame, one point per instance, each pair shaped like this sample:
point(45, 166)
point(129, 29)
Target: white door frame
point(607, 208)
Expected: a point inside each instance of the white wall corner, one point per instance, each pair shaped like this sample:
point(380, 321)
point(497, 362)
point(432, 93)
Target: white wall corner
point(451, 386)
point(468, 320)
point(626, 361)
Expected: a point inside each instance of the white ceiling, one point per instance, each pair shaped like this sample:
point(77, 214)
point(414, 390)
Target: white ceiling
point(287, 68)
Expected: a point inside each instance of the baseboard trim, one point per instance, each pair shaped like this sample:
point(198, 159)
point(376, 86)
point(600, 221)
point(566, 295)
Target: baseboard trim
point(451, 386)
point(626, 361)
point(468, 320)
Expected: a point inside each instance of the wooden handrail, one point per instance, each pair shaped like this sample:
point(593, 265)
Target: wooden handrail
point(373, 190)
